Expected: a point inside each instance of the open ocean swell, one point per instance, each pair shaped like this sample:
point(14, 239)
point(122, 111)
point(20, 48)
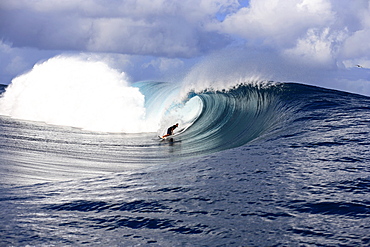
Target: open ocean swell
point(303, 180)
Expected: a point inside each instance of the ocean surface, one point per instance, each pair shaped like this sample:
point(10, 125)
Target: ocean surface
point(252, 164)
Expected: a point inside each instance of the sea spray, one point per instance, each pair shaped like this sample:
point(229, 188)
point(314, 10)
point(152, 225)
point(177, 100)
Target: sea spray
point(77, 92)
point(223, 71)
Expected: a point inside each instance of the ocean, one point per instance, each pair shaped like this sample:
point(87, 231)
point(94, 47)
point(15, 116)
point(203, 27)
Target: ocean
point(251, 164)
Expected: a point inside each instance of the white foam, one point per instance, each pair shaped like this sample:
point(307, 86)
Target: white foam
point(77, 92)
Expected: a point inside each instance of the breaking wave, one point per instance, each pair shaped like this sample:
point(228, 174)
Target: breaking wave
point(89, 95)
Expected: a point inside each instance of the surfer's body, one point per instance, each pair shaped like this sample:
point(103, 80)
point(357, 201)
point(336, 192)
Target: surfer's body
point(170, 130)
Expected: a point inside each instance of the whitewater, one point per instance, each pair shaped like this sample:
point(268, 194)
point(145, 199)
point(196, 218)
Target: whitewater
point(253, 162)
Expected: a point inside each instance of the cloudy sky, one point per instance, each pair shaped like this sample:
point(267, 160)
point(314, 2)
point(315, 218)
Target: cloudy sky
point(318, 42)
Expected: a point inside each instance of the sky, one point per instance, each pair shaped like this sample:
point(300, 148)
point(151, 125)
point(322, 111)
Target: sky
point(317, 42)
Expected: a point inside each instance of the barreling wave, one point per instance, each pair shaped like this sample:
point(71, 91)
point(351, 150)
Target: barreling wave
point(232, 117)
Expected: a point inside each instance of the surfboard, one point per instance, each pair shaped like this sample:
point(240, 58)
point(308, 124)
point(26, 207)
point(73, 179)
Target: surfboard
point(175, 134)
point(165, 138)
point(169, 138)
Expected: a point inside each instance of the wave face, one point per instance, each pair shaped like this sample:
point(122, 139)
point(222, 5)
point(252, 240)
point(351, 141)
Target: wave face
point(234, 117)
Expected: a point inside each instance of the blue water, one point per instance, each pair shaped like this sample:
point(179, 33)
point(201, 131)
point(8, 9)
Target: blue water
point(259, 165)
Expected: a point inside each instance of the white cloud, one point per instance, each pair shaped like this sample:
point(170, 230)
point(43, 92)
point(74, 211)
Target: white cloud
point(317, 47)
point(278, 22)
point(320, 32)
point(357, 45)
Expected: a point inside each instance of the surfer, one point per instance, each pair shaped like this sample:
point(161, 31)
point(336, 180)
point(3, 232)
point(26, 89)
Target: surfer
point(170, 130)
